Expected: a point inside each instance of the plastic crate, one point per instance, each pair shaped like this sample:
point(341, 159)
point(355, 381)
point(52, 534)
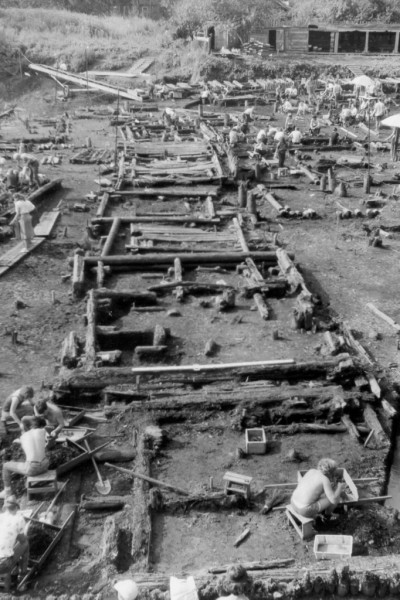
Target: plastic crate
point(333, 546)
point(256, 441)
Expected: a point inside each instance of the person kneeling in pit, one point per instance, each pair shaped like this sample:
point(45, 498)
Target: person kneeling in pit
point(52, 415)
point(315, 493)
point(33, 442)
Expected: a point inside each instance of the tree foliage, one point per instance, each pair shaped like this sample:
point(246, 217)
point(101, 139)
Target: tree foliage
point(190, 16)
point(345, 11)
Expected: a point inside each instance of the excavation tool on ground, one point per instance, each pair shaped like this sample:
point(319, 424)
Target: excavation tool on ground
point(103, 486)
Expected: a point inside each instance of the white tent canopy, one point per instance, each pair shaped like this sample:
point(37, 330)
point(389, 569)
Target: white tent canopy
point(392, 121)
point(363, 81)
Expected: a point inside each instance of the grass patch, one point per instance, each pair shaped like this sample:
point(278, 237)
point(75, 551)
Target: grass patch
point(49, 36)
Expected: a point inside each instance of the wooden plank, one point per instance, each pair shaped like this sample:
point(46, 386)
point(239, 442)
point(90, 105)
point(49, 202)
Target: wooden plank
point(83, 81)
point(178, 191)
point(383, 316)
point(13, 256)
point(46, 223)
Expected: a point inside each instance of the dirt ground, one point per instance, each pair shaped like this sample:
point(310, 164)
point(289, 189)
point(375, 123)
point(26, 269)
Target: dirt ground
point(339, 266)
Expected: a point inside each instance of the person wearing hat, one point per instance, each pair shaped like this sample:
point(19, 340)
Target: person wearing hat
point(33, 442)
point(17, 405)
point(14, 545)
point(127, 589)
point(23, 217)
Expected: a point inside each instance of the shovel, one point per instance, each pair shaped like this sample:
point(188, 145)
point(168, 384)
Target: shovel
point(103, 487)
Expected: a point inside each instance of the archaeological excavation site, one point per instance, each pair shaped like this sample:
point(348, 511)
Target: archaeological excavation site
point(199, 281)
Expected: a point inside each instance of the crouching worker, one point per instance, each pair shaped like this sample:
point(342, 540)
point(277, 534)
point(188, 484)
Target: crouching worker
point(315, 493)
point(17, 405)
point(33, 442)
point(52, 415)
point(14, 546)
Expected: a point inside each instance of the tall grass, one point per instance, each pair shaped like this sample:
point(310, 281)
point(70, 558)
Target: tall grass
point(50, 35)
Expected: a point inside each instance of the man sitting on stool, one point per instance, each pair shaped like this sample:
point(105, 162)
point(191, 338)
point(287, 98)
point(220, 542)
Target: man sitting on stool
point(33, 442)
point(314, 493)
point(14, 546)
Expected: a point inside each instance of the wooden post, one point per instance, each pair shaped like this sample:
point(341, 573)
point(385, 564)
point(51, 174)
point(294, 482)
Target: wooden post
point(78, 273)
point(226, 119)
point(257, 171)
point(366, 46)
point(331, 181)
point(396, 43)
point(367, 183)
point(90, 344)
point(323, 183)
point(251, 203)
point(179, 291)
point(242, 199)
point(100, 274)
point(200, 107)
point(111, 237)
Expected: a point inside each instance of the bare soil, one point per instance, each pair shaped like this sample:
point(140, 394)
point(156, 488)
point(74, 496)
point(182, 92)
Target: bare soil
point(339, 266)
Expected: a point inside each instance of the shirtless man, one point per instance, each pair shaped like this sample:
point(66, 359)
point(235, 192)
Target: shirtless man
point(314, 493)
point(33, 442)
point(52, 415)
point(15, 406)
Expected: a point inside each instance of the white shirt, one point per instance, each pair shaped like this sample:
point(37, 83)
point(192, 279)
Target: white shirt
point(11, 525)
point(22, 207)
point(296, 136)
point(278, 136)
point(233, 136)
point(379, 109)
point(261, 135)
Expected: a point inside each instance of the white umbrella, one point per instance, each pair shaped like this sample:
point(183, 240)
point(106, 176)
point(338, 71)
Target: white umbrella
point(392, 121)
point(363, 81)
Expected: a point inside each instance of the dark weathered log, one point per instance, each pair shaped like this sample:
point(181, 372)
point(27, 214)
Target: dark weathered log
point(150, 351)
point(289, 270)
point(91, 342)
point(106, 251)
point(193, 287)
point(138, 297)
point(70, 351)
point(103, 205)
point(255, 566)
point(311, 176)
point(373, 422)
point(186, 258)
point(78, 274)
point(305, 428)
point(156, 482)
point(121, 454)
point(175, 191)
point(110, 503)
point(101, 378)
point(166, 219)
point(351, 428)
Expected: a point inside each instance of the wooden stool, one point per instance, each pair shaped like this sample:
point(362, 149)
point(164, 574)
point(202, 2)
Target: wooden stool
point(303, 525)
point(237, 484)
point(41, 484)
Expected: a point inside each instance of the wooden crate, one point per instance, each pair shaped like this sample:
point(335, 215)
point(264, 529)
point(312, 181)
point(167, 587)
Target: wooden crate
point(256, 441)
point(333, 546)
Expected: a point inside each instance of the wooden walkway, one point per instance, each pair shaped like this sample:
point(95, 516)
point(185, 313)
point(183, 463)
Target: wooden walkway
point(42, 230)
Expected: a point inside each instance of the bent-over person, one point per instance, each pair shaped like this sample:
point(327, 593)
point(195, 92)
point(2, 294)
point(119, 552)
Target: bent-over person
point(315, 493)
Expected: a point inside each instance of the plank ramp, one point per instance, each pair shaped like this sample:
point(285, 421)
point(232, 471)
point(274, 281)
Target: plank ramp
point(46, 223)
point(13, 256)
point(141, 65)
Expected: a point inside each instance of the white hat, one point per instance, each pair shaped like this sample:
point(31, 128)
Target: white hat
point(127, 589)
